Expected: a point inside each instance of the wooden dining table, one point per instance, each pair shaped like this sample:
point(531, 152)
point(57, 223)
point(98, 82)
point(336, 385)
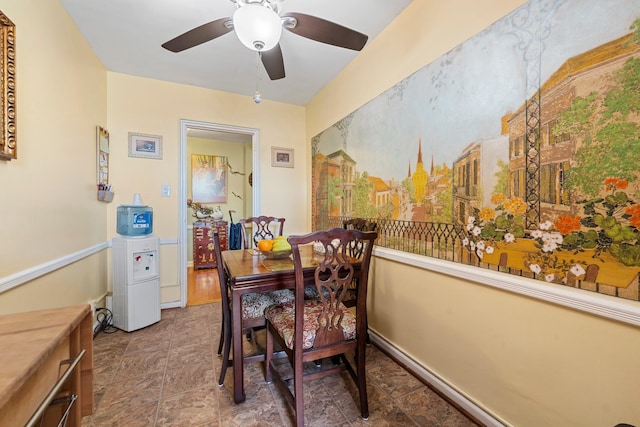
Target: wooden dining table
point(250, 271)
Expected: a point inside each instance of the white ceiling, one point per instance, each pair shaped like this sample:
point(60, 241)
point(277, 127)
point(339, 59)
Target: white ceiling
point(127, 34)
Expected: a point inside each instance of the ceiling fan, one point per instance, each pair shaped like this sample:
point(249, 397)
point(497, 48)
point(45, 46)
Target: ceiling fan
point(258, 24)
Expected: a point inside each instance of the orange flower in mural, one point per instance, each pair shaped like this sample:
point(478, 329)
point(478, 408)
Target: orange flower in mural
point(567, 223)
point(515, 206)
point(615, 183)
point(498, 198)
point(634, 211)
point(486, 214)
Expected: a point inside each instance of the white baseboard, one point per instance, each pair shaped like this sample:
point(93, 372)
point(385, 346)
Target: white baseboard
point(172, 304)
point(437, 383)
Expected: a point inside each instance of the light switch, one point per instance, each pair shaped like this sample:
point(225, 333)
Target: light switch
point(166, 190)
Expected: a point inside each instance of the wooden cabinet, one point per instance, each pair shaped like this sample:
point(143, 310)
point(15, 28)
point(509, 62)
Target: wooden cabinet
point(46, 354)
point(203, 252)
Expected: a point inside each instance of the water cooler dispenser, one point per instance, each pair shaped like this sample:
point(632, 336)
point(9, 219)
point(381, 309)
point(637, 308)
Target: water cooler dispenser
point(136, 282)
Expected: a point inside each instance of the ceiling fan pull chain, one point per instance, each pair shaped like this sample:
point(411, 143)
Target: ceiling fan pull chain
point(257, 98)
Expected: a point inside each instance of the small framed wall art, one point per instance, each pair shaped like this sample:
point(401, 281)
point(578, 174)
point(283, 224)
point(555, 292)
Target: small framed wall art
point(282, 157)
point(146, 146)
point(102, 149)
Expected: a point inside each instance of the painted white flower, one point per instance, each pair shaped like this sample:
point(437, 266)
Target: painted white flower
point(549, 277)
point(535, 268)
point(577, 270)
point(471, 220)
point(489, 249)
point(549, 247)
point(480, 245)
point(470, 226)
point(465, 241)
point(472, 246)
point(546, 225)
point(480, 253)
point(536, 234)
point(509, 237)
point(556, 238)
point(476, 231)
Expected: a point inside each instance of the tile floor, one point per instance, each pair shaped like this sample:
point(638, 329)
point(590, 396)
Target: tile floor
point(166, 375)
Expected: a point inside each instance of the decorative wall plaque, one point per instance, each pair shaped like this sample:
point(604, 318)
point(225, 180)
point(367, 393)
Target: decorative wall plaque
point(8, 127)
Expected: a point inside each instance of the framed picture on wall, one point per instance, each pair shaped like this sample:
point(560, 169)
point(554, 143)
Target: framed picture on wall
point(146, 146)
point(208, 178)
point(282, 157)
point(102, 149)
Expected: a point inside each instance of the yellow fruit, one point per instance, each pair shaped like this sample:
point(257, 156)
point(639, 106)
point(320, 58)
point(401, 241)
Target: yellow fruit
point(281, 245)
point(265, 245)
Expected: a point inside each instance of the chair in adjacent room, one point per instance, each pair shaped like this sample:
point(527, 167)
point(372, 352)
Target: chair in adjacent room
point(262, 227)
point(253, 306)
point(313, 329)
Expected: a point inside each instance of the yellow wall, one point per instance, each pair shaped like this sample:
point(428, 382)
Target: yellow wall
point(49, 209)
point(239, 157)
point(530, 363)
point(155, 107)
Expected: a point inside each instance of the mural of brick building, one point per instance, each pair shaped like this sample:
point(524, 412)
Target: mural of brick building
point(380, 194)
point(474, 175)
point(590, 72)
point(346, 183)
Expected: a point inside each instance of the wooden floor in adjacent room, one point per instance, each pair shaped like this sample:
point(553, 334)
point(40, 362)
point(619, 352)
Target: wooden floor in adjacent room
point(202, 286)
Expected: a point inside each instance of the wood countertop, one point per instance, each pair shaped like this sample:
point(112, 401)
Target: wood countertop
point(27, 340)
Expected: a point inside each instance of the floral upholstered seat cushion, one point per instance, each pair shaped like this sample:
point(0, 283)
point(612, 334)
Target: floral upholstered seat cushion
point(282, 316)
point(254, 304)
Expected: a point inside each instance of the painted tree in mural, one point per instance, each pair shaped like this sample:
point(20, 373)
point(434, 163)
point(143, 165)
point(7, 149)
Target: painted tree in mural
point(361, 206)
point(407, 183)
point(610, 137)
point(502, 177)
point(443, 206)
point(334, 192)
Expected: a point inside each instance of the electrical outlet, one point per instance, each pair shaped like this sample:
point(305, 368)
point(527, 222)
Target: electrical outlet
point(166, 190)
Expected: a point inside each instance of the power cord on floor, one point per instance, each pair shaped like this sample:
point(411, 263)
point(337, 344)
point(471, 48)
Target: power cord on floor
point(104, 316)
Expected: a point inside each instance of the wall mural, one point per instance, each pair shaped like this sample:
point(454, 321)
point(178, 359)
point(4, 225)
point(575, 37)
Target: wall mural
point(525, 139)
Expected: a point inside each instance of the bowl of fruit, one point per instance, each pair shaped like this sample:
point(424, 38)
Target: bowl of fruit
point(277, 248)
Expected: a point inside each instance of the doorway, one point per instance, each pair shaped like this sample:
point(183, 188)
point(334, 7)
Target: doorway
point(222, 133)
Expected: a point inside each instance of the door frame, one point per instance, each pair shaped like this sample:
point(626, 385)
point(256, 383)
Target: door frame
point(185, 125)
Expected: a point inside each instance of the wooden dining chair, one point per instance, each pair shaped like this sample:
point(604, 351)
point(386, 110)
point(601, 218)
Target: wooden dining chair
point(262, 227)
point(253, 306)
point(360, 224)
point(309, 330)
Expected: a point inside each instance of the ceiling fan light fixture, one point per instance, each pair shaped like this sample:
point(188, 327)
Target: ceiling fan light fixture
point(258, 27)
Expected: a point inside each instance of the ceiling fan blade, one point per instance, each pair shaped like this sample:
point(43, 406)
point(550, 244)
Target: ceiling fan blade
point(198, 35)
point(273, 62)
point(328, 32)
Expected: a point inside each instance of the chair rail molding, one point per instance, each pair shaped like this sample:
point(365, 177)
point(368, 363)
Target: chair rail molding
point(590, 302)
point(24, 276)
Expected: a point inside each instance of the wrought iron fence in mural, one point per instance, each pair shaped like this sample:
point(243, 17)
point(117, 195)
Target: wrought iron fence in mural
point(450, 242)
point(436, 240)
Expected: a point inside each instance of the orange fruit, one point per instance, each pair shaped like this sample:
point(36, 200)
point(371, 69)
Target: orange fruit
point(265, 245)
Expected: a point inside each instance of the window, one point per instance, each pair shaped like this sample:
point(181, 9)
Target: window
point(548, 184)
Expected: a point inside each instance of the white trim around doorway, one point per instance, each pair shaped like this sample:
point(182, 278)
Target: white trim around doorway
point(185, 125)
